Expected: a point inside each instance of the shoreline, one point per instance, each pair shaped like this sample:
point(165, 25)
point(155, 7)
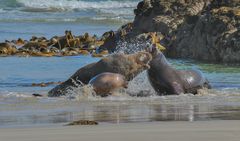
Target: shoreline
point(221, 130)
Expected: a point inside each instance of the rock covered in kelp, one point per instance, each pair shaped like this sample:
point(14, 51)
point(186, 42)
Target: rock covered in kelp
point(111, 38)
point(127, 41)
point(140, 42)
point(82, 122)
point(19, 42)
point(45, 84)
point(7, 49)
point(68, 40)
point(67, 45)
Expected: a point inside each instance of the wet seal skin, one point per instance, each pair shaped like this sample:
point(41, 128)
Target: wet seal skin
point(166, 80)
point(127, 65)
point(105, 83)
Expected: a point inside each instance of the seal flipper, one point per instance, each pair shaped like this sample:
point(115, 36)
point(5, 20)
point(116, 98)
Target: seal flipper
point(177, 88)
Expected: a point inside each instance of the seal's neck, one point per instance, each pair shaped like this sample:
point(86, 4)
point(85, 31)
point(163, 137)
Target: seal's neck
point(160, 59)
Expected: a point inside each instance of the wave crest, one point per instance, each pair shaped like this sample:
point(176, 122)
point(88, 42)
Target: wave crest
point(67, 5)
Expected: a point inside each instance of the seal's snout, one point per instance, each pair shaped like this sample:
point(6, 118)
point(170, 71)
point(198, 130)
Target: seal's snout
point(144, 57)
point(152, 49)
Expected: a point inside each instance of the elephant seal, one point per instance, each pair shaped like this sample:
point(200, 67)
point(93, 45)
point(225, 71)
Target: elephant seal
point(167, 80)
point(105, 83)
point(127, 65)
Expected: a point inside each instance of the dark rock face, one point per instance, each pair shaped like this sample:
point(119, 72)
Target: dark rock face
point(214, 37)
point(206, 30)
point(165, 16)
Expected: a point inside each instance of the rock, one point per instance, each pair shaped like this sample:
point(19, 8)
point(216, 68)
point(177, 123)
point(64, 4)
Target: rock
point(38, 39)
point(100, 53)
point(205, 30)
point(82, 122)
point(84, 52)
point(215, 37)
point(45, 84)
point(110, 41)
point(65, 41)
point(7, 49)
point(18, 42)
point(34, 45)
point(67, 45)
point(34, 48)
point(37, 95)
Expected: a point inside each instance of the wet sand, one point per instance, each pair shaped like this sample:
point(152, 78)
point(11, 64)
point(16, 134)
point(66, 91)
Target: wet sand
point(165, 131)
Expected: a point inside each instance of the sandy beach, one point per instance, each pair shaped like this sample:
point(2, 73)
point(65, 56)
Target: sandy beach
point(165, 131)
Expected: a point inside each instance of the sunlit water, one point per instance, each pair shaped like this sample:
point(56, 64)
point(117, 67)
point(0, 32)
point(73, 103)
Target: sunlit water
point(26, 18)
point(19, 108)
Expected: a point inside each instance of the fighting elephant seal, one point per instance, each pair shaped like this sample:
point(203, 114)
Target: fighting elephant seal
point(126, 65)
point(105, 83)
point(167, 80)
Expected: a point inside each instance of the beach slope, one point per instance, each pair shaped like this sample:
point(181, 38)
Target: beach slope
point(165, 131)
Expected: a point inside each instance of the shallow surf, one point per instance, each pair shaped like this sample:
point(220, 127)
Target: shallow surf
point(19, 108)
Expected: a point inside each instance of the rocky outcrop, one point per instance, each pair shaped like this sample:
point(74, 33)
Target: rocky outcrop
point(206, 30)
point(215, 37)
point(165, 16)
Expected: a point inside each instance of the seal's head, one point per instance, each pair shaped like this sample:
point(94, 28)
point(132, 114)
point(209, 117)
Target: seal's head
point(128, 65)
point(142, 58)
point(153, 50)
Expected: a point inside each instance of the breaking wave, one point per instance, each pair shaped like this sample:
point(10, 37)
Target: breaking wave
point(92, 11)
point(66, 5)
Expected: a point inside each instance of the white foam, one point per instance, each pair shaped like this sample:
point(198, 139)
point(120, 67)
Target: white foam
point(2, 11)
point(76, 4)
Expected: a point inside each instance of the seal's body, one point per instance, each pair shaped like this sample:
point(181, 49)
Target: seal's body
point(105, 83)
point(127, 65)
point(167, 80)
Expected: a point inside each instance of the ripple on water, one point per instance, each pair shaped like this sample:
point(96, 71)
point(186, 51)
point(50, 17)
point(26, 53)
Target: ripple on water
point(20, 109)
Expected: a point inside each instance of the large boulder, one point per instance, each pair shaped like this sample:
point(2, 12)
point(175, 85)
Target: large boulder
point(215, 37)
point(205, 30)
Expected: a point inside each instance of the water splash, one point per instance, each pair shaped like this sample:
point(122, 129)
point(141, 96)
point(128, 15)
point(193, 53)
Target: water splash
point(132, 46)
point(140, 86)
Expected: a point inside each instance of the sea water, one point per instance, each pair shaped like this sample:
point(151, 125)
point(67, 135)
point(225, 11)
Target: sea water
point(26, 18)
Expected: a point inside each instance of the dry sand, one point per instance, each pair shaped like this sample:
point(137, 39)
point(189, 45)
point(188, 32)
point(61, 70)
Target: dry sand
point(155, 131)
